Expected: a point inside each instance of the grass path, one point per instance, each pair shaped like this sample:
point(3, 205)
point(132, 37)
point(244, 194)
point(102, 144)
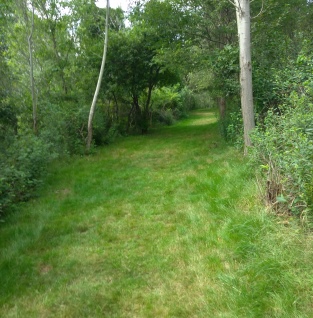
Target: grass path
point(163, 225)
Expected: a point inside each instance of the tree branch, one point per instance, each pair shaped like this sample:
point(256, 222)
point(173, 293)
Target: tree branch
point(233, 3)
point(261, 11)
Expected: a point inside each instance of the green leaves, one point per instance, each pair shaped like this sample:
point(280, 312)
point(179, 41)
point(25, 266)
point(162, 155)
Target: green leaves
point(281, 199)
point(283, 149)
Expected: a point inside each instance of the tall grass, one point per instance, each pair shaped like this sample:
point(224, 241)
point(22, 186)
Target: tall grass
point(163, 225)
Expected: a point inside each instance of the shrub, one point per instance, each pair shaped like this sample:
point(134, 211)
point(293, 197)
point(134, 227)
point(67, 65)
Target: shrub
point(231, 125)
point(234, 128)
point(63, 125)
point(166, 97)
point(202, 100)
point(105, 126)
point(283, 149)
point(22, 165)
point(170, 104)
point(188, 101)
point(166, 117)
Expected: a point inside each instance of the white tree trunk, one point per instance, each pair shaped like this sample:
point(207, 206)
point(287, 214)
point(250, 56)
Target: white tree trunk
point(31, 66)
point(95, 97)
point(243, 24)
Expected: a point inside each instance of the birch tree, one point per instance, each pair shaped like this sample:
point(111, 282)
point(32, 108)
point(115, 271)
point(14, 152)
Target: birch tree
point(31, 66)
point(243, 26)
point(26, 8)
point(95, 97)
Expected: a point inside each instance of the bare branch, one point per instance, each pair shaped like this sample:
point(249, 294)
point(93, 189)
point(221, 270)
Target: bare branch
point(238, 7)
point(233, 3)
point(261, 11)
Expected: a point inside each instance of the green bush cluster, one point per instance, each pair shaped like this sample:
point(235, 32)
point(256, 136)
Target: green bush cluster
point(22, 164)
point(25, 155)
point(172, 103)
point(64, 126)
point(61, 131)
point(166, 104)
point(283, 149)
point(189, 101)
point(232, 128)
point(165, 116)
point(283, 140)
point(231, 125)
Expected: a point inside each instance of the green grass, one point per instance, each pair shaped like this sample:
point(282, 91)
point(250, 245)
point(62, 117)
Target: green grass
point(163, 225)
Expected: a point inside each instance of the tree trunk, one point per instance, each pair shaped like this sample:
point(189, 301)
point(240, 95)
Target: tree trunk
point(116, 108)
point(222, 106)
point(243, 25)
point(129, 122)
point(31, 66)
point(95, 97)
point(145, 116)
point(137, 112)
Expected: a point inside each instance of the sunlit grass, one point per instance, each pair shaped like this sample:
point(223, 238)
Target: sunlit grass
point(163, 225)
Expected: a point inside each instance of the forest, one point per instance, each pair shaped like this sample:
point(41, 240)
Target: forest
point(168, 64)
point(164, 59)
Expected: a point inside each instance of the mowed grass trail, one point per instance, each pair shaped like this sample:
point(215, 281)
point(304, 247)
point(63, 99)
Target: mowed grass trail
point(163, 225)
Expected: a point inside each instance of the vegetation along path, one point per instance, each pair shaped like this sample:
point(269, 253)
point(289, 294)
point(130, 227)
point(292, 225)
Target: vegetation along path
point(162, 225)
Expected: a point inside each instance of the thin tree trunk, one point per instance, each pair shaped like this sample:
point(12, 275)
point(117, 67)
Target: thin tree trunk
point(222, 106)
point(31, 66)
point(95, 97)
point(243, 24)
point(137, 112)
point(116, 108)
point(64, 86)
point(145, 115)
point(130, 117)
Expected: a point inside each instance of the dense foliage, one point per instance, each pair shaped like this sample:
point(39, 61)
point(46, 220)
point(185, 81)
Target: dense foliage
point(164, 58)
point(283, 143)
point(66, 40)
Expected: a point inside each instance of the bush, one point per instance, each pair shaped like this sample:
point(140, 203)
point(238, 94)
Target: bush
point(231, 125)
point(64, 126)
point(166, 104)
point(188, 101)
point(234, 128)
point(202, 100)
point(283, 149)
point(166, 117)
point(105, 126)
point(170, 104)
point(21, 168)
